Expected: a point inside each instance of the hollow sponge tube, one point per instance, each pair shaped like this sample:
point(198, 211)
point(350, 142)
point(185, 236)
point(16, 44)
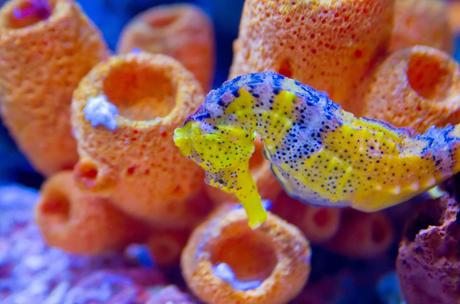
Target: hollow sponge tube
point(416, 87)
point(81, 223)
point(329, 45)
point(227, 262)
point(124, 113)
point(46, 47)
point(181, 31)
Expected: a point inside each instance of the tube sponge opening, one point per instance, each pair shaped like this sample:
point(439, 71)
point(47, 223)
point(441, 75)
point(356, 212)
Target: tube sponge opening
point(250, 255)
point(140, 92)
point(181, 31)
point(56, 206)
point(362, 235)
point(138, 159)
point(318, 224)
point(416, 87)
point(429, 76)
point(225, 261)
point(29, 12)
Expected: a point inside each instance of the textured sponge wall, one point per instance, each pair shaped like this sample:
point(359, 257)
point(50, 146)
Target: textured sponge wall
point(329, 45)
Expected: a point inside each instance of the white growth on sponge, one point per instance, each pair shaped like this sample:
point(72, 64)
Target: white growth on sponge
point(99, 111)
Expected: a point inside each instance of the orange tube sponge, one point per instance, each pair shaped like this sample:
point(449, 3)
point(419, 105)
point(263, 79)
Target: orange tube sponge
point(362, 235)
point(329, 45)
point(267, 184)
point(421, 22)
point(227, 262)
point(124, 113)
point(181, 31)
point(318, 224)
point(416, 87)
point(80, 223)
point(165, 246)
point(45, 49)
point(454, 16)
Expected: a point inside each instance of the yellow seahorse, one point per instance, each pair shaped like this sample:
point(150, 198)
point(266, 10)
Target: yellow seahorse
point(319, 153)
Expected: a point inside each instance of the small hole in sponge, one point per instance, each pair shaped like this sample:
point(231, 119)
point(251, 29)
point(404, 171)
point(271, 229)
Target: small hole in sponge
point(285, 68)
point(249, 253)
point(56, 205)
point(165, 19)
point(139, 91)
point(429, 76)
point(131, 170)
point(358, 53)
point(86, 172)
point(28, 13)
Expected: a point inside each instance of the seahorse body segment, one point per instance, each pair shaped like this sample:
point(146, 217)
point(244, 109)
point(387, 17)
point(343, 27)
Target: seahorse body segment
point(319, 153)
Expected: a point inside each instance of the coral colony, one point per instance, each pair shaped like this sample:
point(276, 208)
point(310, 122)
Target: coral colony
point(289, 183)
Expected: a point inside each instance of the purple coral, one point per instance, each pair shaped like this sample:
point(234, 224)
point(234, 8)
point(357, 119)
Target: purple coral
point(428, 263)
point(171, 294)
point(29, 269)
point(107, 286)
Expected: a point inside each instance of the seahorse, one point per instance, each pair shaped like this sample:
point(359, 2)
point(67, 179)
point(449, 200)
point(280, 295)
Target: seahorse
point(320, 153)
